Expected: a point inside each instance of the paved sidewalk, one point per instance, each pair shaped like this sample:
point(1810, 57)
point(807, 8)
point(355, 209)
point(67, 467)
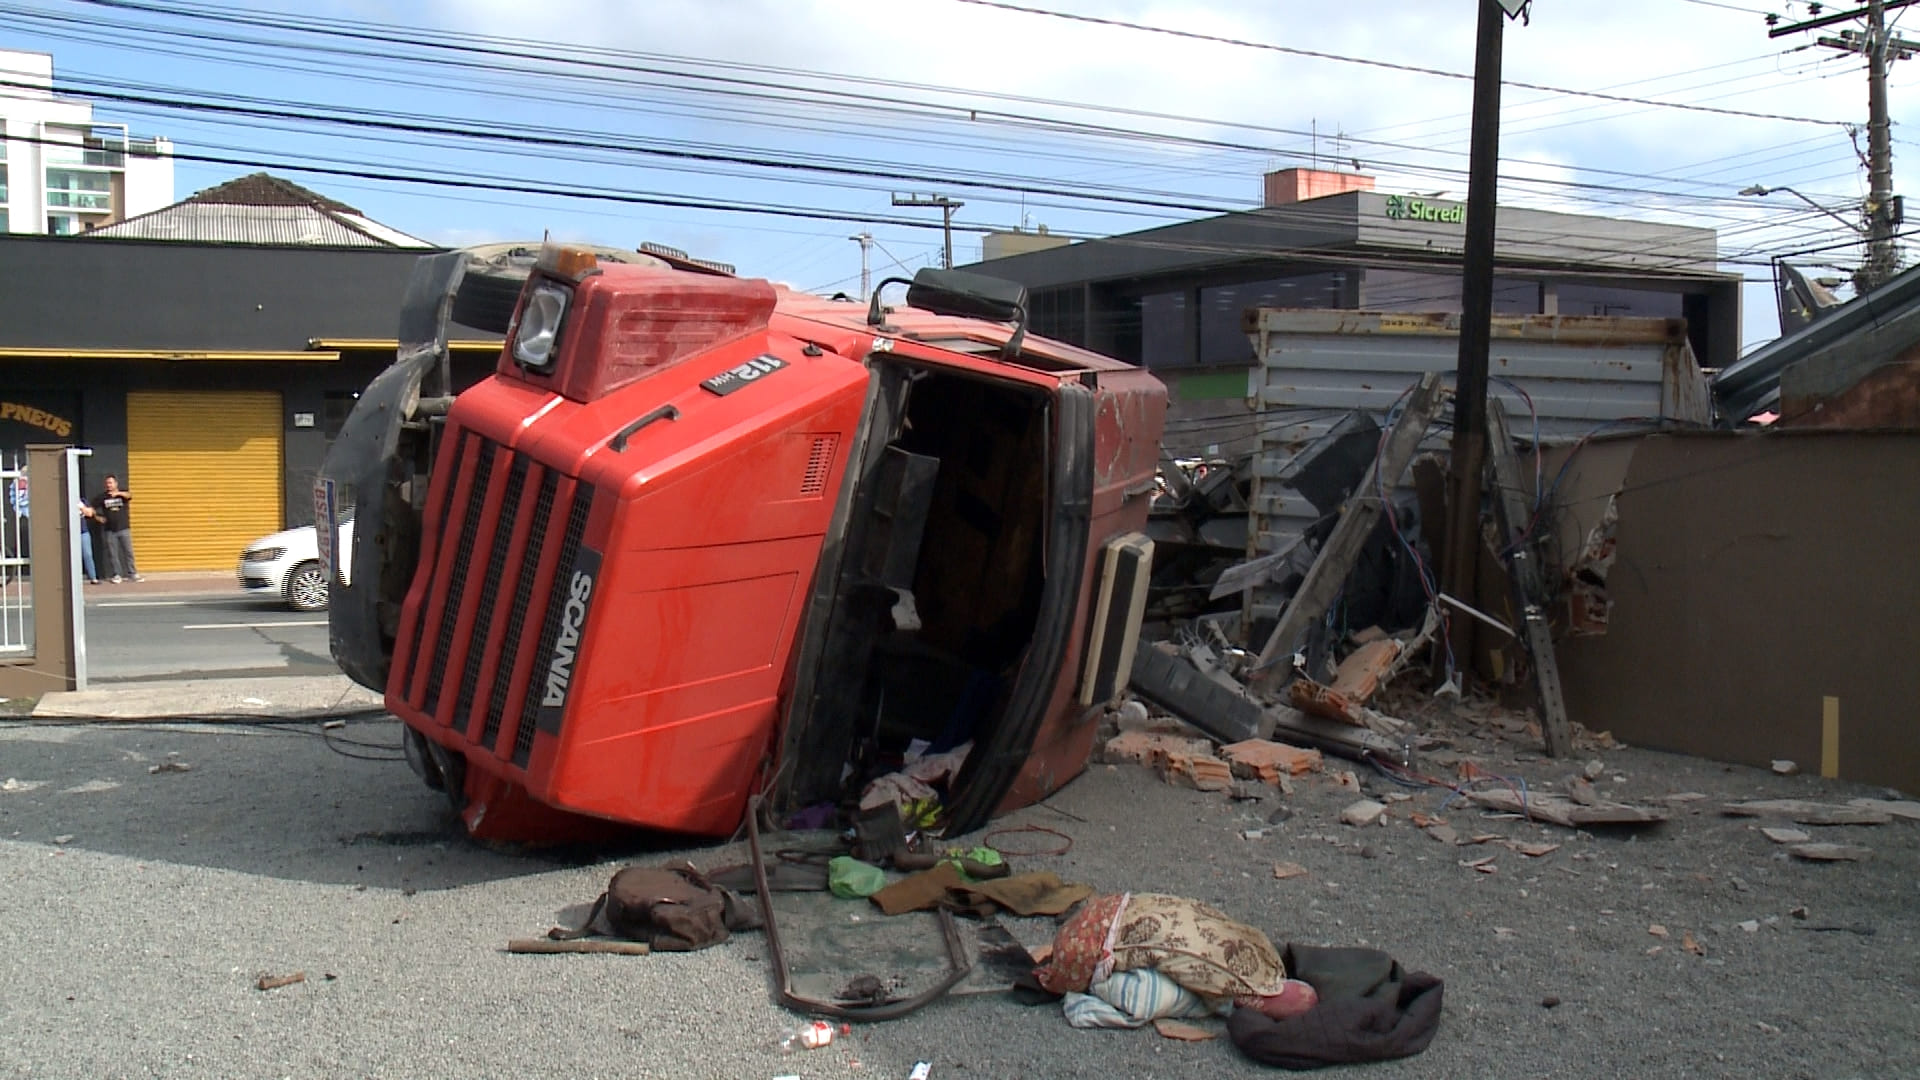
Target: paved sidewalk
point(283, 697)
point(167, 583)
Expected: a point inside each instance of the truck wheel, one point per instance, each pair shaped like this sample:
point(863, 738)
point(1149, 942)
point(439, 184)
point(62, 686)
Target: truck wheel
point(307, 587)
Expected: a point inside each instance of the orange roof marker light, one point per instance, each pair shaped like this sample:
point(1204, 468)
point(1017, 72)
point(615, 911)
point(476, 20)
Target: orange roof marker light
point(568, 263)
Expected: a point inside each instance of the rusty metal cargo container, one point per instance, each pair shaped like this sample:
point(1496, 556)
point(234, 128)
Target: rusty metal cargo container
point(1581, 372)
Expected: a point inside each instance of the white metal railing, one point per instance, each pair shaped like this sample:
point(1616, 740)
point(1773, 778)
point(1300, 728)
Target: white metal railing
point(16, 591)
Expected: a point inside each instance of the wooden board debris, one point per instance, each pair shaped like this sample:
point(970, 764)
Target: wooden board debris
point(1183, 1031)
point(1331, 736)
point(1900, 808)
point(1514, 519)
point(1558, 810)
point(1808, 813)
point(1828, 852)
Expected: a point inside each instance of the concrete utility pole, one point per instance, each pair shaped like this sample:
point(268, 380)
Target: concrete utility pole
point(1476, 318)
point(947, 207)
point(865, 240)
point(1880, 257)
point(1883, 209)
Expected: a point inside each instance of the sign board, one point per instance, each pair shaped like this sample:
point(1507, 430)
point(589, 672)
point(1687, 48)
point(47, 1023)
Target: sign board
point(753, 370)
point(1409, 208)
point(325, 531)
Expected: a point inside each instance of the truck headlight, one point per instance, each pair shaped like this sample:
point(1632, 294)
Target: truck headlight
point(538, 336)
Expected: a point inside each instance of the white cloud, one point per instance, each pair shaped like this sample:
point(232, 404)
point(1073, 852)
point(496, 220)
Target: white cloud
point(1409, 129)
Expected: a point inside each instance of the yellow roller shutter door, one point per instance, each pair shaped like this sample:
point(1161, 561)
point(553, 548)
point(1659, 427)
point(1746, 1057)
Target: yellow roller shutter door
point(205, 471)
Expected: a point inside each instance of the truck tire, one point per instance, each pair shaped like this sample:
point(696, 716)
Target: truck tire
point(490, 291)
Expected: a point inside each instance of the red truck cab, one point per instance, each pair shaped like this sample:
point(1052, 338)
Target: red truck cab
point(700, 537)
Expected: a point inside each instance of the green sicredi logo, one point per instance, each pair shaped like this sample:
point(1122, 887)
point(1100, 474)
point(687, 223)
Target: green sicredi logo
point(1407, 208)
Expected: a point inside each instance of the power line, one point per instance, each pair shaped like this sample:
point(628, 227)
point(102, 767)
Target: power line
point(599, 143)
point(1388, 64)
point(521, 52)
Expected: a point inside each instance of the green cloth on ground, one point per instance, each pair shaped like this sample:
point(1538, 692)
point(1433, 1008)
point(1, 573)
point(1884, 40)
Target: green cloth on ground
point(851, 879)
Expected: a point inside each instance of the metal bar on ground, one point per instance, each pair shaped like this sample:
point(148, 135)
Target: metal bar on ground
point(1357, 520)
point(1529, 587)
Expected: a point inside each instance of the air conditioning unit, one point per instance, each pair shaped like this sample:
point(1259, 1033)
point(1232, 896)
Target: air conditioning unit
point(1126, 565)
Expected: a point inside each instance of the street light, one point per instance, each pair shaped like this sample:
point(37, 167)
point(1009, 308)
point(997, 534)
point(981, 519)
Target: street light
point(1760, 189)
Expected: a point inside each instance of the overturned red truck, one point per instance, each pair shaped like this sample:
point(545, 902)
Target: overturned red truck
point(700, 537)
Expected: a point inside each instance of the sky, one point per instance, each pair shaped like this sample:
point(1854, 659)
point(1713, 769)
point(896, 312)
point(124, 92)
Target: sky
point(829, 108)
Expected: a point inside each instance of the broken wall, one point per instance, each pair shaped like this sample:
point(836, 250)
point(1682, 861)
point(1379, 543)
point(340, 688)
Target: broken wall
point(1885, 397)
point(1764, 596)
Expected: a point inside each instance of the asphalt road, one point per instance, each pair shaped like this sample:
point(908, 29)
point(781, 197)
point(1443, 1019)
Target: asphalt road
point(195, 636)
point(143, 906)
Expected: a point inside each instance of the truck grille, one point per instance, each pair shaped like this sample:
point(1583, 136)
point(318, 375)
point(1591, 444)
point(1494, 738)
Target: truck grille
point(466, 652)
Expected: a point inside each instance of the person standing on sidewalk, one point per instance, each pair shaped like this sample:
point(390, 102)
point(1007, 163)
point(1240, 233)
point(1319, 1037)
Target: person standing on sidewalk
point(112, 508)
point(87, 518)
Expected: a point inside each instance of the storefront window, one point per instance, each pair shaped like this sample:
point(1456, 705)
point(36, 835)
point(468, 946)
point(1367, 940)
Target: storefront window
point(1059, 314)
point(1223, 308)
point(1407, 290)
point(1597, 300)
point(1163, 330)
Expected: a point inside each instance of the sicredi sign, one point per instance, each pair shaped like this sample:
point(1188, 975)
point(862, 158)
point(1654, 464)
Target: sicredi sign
point(1408, 208)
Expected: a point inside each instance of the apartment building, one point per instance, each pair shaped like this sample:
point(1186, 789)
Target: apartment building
point(61, 172)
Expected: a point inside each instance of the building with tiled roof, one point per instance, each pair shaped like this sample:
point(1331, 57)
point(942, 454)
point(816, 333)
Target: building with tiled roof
point(261, 208)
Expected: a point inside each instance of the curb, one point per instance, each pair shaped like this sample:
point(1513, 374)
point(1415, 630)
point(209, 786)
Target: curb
point(279, 697)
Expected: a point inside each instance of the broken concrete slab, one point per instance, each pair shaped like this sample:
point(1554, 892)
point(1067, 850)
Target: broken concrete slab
point(1808, 813)
point(1363, 813)
point(1786, 836)
point(1175, 685)
point(1565, 812)
point(1332, 736)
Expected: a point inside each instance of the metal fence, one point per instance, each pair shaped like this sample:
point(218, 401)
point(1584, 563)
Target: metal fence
point(16, 587)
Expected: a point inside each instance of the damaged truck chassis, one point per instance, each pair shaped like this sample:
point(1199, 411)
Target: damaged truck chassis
point(700, 538)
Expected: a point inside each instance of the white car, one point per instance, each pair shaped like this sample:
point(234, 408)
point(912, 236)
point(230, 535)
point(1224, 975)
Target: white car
point(286, 565)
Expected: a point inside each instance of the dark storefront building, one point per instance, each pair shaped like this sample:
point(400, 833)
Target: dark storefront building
point(208, 377)
point(1173, 298)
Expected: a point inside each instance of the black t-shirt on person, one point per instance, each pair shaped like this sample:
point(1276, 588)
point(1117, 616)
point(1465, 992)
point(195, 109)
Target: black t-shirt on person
point(113, 510)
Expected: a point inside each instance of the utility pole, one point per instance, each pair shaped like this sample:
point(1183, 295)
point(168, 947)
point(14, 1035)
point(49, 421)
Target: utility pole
point(1880, 257)
point(1883, 209)
point(947, 207)
point(1476, 317)
point(865, 240)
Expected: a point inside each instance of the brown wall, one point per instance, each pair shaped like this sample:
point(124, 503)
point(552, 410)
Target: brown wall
point(1888, 397)
point(1759, 574)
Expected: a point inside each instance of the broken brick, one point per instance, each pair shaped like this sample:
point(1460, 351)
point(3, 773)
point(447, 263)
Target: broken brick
point(1151, 750)
point(1202, 772)
point(1263, 759)
point(1359, 676)
point(1316, 699)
